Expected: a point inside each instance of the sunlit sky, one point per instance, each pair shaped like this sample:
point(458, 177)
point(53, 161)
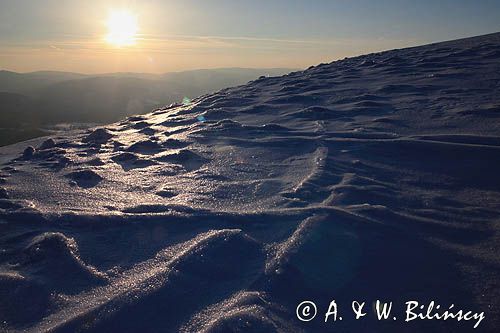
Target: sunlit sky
point(179, 35)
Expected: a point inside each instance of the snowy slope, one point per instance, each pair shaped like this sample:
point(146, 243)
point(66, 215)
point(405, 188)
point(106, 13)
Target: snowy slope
point(375, 177)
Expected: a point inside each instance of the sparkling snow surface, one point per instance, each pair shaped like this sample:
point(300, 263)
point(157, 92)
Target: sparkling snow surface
point(375, 177)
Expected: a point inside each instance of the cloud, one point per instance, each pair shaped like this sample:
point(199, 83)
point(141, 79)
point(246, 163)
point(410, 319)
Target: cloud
point(156, 53)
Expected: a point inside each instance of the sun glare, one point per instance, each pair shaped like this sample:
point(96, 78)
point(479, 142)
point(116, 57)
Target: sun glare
point(122, 28)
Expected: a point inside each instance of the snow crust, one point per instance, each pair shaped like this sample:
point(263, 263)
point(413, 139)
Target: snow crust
point(375, 177)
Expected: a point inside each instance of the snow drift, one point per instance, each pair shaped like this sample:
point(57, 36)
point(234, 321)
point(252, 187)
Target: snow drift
point(375, 177)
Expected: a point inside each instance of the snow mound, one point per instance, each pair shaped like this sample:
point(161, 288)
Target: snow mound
point(85, 178)
point(98, 136)
point(54, 258)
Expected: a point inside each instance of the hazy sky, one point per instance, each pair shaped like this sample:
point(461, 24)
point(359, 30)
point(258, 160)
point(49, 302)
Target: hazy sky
point(175, 35)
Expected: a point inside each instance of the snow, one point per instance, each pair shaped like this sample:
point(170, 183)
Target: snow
point(371, 177)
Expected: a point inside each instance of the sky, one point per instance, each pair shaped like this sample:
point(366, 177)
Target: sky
point(69, 35)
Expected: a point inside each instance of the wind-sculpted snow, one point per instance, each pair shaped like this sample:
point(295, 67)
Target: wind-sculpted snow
point(374, 177)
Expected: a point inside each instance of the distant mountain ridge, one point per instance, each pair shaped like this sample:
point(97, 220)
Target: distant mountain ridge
point(31, 82)
point(51, 97)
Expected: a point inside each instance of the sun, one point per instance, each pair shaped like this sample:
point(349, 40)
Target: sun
point(122, 28)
